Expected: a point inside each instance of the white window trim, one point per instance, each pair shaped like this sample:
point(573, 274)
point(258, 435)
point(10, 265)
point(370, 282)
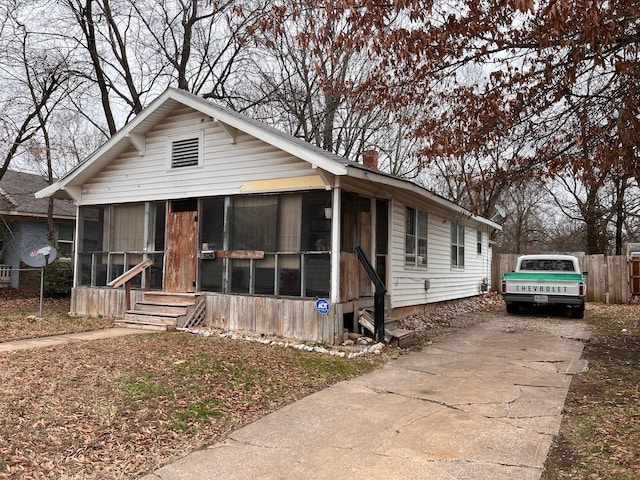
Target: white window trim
point(171, 139)
point(416, 239)
point(71, 242)
point(458, 245)
point(480, 242)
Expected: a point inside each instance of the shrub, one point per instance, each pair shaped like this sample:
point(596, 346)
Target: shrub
point(58, 279)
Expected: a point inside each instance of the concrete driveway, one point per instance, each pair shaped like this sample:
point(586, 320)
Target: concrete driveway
point(484, 403)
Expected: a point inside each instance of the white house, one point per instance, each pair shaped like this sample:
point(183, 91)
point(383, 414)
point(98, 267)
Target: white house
point(259, 225)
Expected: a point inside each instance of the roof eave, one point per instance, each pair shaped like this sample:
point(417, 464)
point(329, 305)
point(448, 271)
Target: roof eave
point(316, 159)
point(396, 182)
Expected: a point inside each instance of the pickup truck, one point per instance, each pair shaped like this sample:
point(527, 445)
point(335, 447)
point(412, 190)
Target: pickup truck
point(544, 280)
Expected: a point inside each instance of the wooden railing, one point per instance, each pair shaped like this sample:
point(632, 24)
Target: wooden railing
point(126, 277)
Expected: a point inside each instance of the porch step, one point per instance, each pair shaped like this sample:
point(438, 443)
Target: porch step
point(168, 298)
point(162, 311)
point(142, 325)
point(393, 335)
point(157, 307)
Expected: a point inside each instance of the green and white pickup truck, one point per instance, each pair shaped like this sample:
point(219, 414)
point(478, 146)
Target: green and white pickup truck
point(543, 280)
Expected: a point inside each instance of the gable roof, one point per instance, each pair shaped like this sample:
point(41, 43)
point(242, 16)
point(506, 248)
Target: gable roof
point(133, 134)
point(17, 198)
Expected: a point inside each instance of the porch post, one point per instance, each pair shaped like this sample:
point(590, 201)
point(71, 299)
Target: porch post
point(335, 244)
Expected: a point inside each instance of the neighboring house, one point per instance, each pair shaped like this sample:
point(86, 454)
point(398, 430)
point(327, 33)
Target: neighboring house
point(262, 224)
point(23, 222)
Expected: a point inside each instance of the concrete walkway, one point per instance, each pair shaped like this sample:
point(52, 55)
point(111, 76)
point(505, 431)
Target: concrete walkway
point(482, 404)
point(67, 338)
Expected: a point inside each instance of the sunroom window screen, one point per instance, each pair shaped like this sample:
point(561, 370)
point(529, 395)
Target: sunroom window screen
point(290, 223)
point(254, 223)
point(127, 228)
point(184, 153)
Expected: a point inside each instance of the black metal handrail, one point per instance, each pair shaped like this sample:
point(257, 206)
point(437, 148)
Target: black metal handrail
point(378, 305)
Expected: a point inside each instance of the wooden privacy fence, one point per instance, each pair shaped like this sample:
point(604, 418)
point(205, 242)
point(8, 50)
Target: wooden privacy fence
point(608, 278)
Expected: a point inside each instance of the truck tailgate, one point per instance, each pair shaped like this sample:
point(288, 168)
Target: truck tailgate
point(543, 284)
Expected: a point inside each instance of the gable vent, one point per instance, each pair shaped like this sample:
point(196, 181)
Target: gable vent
point(185, 153)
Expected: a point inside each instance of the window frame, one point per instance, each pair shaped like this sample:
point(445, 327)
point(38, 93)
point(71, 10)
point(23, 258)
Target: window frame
point(63, 241)
point(479, 242)
point(457, 246)
point(172, 139)
point(413, 218)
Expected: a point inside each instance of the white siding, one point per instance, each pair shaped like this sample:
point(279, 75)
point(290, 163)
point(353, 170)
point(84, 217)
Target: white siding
point(226, 165)
point(446, 283)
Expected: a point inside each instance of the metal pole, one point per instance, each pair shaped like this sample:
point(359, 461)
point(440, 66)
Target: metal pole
point(41, 288)
point(46, 262)
point(378, 315)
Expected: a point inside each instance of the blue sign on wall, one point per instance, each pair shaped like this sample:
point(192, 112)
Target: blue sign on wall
point(323, 306)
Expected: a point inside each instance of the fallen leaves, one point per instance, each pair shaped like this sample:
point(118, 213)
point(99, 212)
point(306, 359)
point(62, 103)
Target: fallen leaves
point(600, 435)
point(19, 318)
point(122, 407)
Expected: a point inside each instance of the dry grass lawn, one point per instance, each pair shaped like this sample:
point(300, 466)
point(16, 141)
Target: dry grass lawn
point(121, 408)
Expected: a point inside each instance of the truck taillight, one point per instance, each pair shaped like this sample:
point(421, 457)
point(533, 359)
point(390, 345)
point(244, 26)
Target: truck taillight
point(581, 289)
point(504, 286)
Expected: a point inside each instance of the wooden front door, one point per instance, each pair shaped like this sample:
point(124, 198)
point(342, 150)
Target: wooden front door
point(182, 248)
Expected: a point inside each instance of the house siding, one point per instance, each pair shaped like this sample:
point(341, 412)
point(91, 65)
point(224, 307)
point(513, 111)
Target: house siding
point(25, 235)
point(225, 168)
point(446, 282)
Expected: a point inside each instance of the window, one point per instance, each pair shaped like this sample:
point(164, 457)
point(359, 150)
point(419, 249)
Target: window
point(290, 229)
point(382, 234)
point(212, 223)
point(255, 221)
point(127, 228)
point(158, 225)
point(92, 220)
point(65, 241)
point(549, 265)
point(316, 227)
point(185, 150)
point(457, 245)
point(479, 242)
point(415, 237)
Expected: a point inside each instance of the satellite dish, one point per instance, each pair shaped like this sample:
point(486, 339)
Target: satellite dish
point(39, 256)
point(500, 216)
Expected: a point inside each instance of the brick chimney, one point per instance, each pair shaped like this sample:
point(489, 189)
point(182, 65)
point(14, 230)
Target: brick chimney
point(370, 158)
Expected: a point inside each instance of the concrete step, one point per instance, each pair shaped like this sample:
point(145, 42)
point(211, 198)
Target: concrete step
point(144, 326)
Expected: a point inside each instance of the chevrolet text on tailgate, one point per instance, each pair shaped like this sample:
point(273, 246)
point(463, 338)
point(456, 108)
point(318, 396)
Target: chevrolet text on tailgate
point(545, 279)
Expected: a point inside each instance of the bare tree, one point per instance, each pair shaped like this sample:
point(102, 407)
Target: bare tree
point(136, 49)
point(529, 222)
point(309, 85)
point(35, 81)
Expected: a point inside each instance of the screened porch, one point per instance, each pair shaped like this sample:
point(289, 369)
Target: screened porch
point(258, 245)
